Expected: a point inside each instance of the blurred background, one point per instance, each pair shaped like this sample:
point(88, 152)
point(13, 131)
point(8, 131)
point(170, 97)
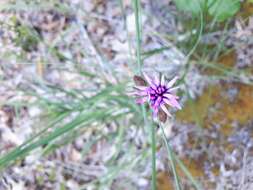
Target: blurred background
point(66, 69)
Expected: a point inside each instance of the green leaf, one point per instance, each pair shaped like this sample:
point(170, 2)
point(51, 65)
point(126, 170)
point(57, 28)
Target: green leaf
point(193, 6)
point(223, 9)
point(219, 9)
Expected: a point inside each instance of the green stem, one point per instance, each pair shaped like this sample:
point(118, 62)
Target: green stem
point(137, 8)
point(171, 159)
point(137, 11)
point(153, 145)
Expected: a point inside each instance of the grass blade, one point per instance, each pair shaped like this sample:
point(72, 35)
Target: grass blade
point(171, 159)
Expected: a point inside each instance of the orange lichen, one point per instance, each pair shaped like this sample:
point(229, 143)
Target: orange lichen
point(214, 107)
point(198, 110)
point(216, 171)
point(195, 167)
point(226, 130)
point(224, 62)
point(164, 182)
point(228, 59)
point(247, 9)
point(229, 147)
point(240, 110)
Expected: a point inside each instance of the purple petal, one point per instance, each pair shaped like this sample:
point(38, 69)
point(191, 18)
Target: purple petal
point(143, 88)
point(165, 110)
point(170, 96)
point(175, 88)
point(172, 103)
point(155, 111)
point(138, 93)
point(156, 81)
point(177, 105)
point(162, 80)
point(150, 81)
point(142, 100)
point(158, 101)
point(141, 93)
point(172, 82)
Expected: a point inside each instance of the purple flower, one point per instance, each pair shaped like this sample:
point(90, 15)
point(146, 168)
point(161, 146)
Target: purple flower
point(158, 93)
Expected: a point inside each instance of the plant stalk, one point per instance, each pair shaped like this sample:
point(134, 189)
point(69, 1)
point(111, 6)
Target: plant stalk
point(171, 159)
point(153, 145)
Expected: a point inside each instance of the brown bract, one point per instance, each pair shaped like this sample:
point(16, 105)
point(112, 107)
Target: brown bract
point(139, 81)
point(162, 116)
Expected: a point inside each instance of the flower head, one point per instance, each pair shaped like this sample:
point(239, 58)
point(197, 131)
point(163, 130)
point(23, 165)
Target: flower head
point(158, 93)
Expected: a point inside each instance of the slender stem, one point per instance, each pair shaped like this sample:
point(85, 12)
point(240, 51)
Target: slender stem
point(138, 32)
point(153, 145)
point(137, 10)
point(171, 159)
point(197, 185)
